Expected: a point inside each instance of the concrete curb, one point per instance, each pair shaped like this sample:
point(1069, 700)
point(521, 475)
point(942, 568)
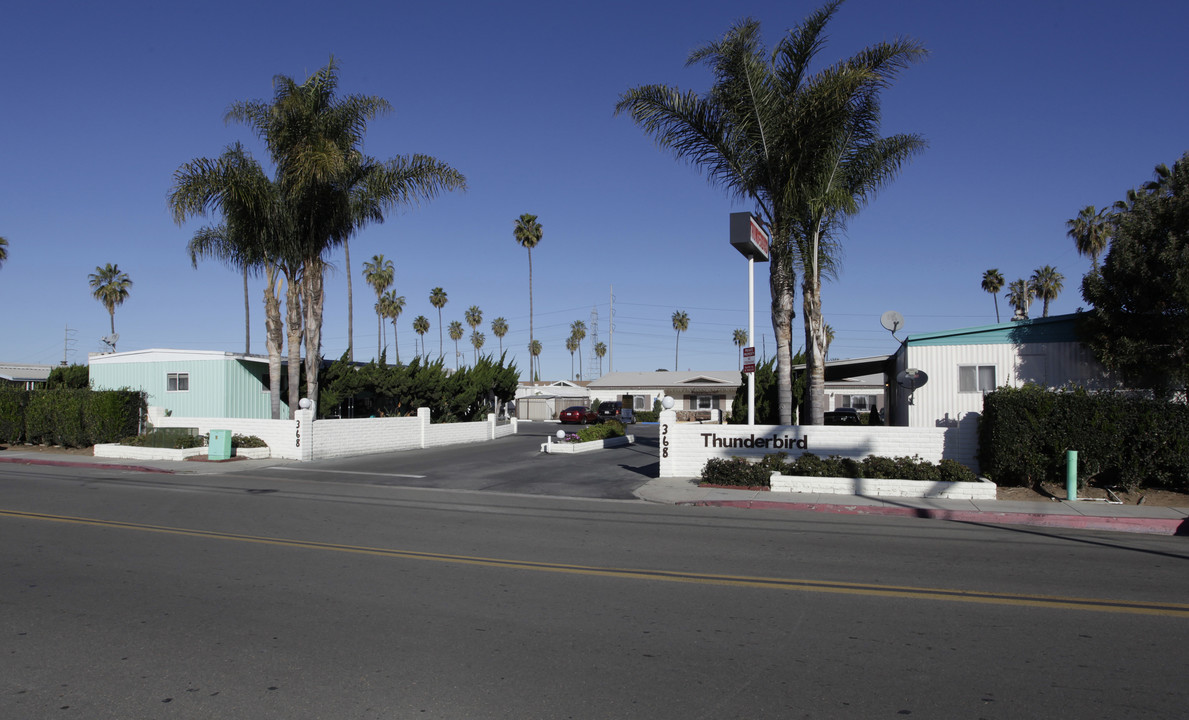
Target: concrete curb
point(69, 463)
point(1151, 526)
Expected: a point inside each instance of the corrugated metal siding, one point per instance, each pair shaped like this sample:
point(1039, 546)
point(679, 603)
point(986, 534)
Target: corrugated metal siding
point(218, 388)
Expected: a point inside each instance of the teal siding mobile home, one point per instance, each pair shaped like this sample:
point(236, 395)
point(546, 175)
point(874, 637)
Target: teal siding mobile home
point(190, 383)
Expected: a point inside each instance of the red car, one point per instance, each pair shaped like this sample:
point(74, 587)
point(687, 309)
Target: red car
point(578, 414)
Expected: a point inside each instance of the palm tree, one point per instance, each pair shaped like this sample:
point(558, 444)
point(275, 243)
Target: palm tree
point(739, 337)
point(1090, 232)
point(1019, 294)
point(600, 349)
point(993, 283)
point(499, 328)
point(3, 250)
point(477, 340)
point(253, 232)
point(829, 334)
point(572, 346)
point(330, 189)
point(474, 317)
point(455, 335)
point(379, 273)
point(804, 148)
point(394, 305)
point(578, 332)
point(109, 285)
point(534, 352)
point(1046, 284)
point(421, 326)
point(680, 324)
point(238, 253)
point(528, 233)
point(437, 298)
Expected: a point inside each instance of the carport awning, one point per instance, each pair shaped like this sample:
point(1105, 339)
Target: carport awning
point(857, 367)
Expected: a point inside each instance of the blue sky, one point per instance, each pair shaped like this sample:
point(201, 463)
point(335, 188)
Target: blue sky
point(1031, 110)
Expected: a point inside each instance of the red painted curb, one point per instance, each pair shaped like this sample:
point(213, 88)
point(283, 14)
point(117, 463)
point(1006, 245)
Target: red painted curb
point(1151, 526)
point(105, 466)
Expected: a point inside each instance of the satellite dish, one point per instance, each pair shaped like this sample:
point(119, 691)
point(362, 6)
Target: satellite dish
point(911, 378)
point(111, 341)
point(892, 321)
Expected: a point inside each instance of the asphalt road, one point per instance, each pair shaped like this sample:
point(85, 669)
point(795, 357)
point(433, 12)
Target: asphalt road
point(274, 595)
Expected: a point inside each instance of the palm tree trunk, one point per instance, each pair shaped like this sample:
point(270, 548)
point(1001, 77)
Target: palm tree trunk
point(532, 374)
point(314, 297)
point(395, 343)
point(814, 352)
point(350, 307)
point(995, 297)
point(247, 317)
point(379, 334)
point(273, 339)
point(781, 283)
point(294, 322)
point(676, 347)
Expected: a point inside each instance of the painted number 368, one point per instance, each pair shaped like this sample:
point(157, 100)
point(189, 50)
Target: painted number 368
point(665, 441)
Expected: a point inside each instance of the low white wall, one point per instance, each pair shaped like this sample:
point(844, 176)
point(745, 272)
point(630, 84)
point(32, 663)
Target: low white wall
point(884, 488)
point(303, 439)
point(569, 448)
point(129, 452)
point(685, 447)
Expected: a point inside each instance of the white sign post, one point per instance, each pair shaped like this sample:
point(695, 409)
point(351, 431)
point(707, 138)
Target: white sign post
point(750, 239)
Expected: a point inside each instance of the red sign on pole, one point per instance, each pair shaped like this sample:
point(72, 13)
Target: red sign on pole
point(749, 359)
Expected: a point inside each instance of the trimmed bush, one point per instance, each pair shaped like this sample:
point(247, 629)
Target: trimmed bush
point(735, 471)
point(602, 431)
point(1121, 439)
point(738, 471)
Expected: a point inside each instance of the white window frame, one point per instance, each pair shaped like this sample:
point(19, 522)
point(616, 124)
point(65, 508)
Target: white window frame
point(177, 382)
point(639, 403)
point(972, 378)
point(699, 399)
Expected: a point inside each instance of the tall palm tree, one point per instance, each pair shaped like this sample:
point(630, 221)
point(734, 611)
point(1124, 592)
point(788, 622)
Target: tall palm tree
point(455, 335)
point(394, 305)
point(680, 324)
point(578, 332)
point(1019, 294)
point(1046, 284)
point(437, 298)
point(739, 337)
point(243, 254)
point(474, 317)
point(477, 340)
point(329, 187)
point(572, 346)
point(109, 285)
point(254, 228)
point(499, 328)
point(379, 273)
point(600, 349)
point(805, 149)
point(528, 233)
point(1090, 232)
point(3, 250)
point(534, 353)
point(993, 283)
point(421, 326)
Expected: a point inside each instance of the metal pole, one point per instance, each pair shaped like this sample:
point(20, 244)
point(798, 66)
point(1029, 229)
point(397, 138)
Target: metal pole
point(751, 333)
point(1071, 474)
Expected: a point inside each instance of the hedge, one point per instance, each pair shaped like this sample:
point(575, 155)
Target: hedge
point(738, 471)
point(1121, 439)
point(69, 417)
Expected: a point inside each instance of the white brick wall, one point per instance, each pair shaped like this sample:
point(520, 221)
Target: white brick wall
point(305, 440)
point(685, 447)
point(884, 488)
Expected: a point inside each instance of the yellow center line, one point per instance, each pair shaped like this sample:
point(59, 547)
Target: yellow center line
point(1176, 610)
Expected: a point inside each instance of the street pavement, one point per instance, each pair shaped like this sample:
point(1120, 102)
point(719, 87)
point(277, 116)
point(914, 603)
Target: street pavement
point(578, 476)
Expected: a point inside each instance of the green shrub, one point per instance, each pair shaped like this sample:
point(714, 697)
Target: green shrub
point(247, 441)
point(177, 438)
point(647, 416)
point(12, 414)
point(735, 471)
point(602, 431)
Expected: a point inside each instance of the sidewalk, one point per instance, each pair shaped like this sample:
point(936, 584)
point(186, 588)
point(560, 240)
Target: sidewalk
point(1081, 515)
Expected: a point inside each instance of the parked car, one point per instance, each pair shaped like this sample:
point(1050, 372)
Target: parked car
point(578, 414)
point(609, 409)
point(843, 416)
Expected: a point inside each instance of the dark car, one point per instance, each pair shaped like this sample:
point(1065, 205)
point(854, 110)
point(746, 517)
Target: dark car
point(843, 416)
point(578, 414)
point(609, 409)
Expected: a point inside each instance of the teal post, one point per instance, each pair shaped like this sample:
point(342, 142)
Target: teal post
point(1071, 474)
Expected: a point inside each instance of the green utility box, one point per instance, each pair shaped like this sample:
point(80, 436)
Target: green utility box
point(220, 445)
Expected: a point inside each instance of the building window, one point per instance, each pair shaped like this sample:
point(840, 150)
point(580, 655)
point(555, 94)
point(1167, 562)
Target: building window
point(704, 402)
point(177, 382)
point(976, 378)
point(638, 402)
point(858, 402)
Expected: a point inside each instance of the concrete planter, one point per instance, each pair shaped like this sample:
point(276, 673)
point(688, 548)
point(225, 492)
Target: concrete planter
point(129, 452)
point(982, 490)
point(568, 448)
